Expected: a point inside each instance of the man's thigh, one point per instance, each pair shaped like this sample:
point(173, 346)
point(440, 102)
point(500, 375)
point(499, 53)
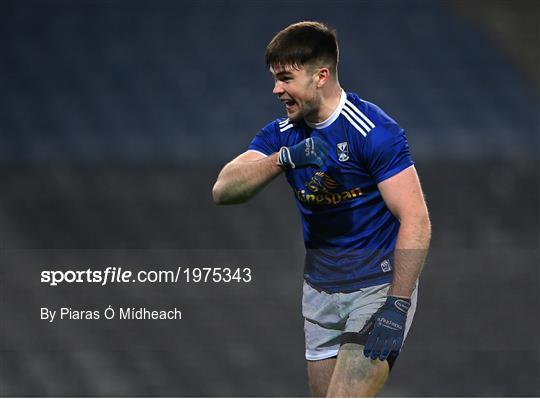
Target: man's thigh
point(355, 375)
point(326, 318)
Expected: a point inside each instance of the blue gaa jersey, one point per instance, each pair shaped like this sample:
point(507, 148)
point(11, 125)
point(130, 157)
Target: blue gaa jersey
point(349, 233)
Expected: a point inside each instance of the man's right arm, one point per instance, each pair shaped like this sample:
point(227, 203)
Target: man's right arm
point(244, 177)
point(248, 173)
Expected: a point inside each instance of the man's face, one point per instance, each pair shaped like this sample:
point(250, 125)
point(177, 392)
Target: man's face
point(296, 88)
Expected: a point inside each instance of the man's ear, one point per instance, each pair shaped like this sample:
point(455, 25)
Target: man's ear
point(323, 76)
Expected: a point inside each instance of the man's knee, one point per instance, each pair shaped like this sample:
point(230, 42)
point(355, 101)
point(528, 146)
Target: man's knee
point(357, 375)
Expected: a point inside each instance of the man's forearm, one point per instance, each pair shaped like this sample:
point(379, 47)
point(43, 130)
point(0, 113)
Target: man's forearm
point(240, 180)
point(409, 256)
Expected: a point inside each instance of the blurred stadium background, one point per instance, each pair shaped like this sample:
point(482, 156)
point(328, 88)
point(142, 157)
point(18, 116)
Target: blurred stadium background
point(115, 118)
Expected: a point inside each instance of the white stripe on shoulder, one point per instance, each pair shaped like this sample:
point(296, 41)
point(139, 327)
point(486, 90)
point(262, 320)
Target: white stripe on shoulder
point(360, 113)
point(283, 123)
point(356, 118)
point(258, 152)
point(286, 127)
point(352, 122)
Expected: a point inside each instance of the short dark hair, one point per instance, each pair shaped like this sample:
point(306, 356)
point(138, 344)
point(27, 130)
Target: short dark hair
point(304, 43)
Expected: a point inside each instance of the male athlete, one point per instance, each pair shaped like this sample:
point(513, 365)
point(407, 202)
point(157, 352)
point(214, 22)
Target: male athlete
point(365, 223)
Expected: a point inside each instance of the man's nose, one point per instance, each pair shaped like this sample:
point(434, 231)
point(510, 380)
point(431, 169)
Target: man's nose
point(277, 89)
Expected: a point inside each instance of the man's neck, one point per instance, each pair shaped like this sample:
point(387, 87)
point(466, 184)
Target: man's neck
point(329, 103)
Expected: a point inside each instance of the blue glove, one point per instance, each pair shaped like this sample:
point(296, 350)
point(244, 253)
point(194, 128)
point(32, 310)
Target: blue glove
point(312, 151)
point(386, 328)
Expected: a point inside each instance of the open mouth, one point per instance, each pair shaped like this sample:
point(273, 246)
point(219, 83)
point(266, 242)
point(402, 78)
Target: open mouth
point(289, 103)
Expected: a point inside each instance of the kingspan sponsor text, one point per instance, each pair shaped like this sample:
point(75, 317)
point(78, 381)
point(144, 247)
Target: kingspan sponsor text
point(328, 198)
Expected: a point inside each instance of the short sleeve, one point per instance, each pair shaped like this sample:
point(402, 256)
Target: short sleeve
point(265, 141)
point(386, 152)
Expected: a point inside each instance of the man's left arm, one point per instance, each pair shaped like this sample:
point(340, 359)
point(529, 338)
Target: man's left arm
point(403, 196)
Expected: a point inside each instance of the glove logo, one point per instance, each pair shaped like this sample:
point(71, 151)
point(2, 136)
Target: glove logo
point(402, 306)
point(385, 323)
point(343, 151)
point(310, 148)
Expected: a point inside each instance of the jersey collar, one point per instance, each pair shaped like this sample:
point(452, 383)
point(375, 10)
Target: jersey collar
point(331, 118)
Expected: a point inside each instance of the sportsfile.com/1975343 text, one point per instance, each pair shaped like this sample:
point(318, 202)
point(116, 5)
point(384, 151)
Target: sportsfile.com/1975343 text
point(119, 275)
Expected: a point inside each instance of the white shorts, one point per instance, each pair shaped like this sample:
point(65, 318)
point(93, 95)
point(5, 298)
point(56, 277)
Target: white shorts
point(327, 316)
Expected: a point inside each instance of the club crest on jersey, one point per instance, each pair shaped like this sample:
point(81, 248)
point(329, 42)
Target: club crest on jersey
point(343, 151)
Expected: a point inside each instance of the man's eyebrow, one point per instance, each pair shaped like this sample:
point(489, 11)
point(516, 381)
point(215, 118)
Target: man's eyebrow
point(283, 73)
